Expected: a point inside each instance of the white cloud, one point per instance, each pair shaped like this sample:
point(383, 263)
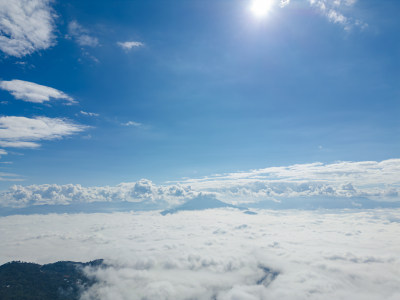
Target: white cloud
point(130, 45)
point(143, 191)
point(32, 92)
point(132, 123)
point(334, 183)
point(81, 35)
point(3, 152)
point(219, 254)
point(27, 132)
point(26, 26)
point(4, 176)
point(333, 10)
point(89, 114)
point(284, 3)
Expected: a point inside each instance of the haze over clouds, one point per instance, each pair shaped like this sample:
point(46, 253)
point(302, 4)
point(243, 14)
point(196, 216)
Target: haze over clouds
point(220, 254)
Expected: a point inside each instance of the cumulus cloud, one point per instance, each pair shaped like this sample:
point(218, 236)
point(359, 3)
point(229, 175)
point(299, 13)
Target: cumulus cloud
point(347, 179)
point(219, 254)
point(130, 45)
point(336, 182)
point(81, 35)
point(22, 132)
point(3, 152)
point(143, 191)
point(33, 92)
point(26, 26)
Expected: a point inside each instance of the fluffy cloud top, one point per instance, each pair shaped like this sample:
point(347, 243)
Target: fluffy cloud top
point(25, 132)
point(219, 254)
point(26, 26)
point(130, 45)
point(143, 191)
point(368, 179)
point(81, 35)
point(365, 178)
point(33, 92)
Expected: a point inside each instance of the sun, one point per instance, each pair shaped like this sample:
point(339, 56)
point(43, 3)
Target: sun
point(260, 8)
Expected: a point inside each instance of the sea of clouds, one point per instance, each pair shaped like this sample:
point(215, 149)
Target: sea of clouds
point(219, 253)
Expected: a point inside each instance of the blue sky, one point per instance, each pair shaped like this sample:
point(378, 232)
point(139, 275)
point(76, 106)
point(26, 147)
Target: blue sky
point(166, 90)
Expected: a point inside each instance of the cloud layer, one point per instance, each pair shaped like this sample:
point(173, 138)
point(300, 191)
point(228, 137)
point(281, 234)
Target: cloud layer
point(372, 180)
point(219, 254)
point(33, 92)
point(22, 132)
point(26, 26)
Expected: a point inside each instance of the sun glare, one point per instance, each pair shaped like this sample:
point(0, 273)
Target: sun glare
point(260, 7)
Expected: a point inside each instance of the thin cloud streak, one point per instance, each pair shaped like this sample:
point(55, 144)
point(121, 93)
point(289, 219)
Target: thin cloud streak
point(129, 45)
point(33, 92)
point(22, 132)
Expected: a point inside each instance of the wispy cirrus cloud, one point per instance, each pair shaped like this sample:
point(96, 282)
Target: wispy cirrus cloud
point(333, 10)
point(89, 114)
point(26, 26)
point(129, 45)
point(132, 123)
point(33, 92)
point(4, 176)
point(22, 132)
point(81, 35)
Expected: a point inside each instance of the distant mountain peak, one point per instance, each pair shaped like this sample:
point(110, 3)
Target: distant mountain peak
point(201, 202)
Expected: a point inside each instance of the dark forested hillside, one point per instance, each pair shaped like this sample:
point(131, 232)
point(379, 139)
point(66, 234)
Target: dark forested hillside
point(62, 280)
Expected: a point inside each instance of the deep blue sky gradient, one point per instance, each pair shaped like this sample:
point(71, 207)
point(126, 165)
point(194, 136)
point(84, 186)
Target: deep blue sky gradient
point(215, 89)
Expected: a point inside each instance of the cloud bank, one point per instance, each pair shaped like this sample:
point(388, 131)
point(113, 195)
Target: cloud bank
point(26, 26)
point(219, 254)
point(33, 92)
point(372, 180)
point(22, 132)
